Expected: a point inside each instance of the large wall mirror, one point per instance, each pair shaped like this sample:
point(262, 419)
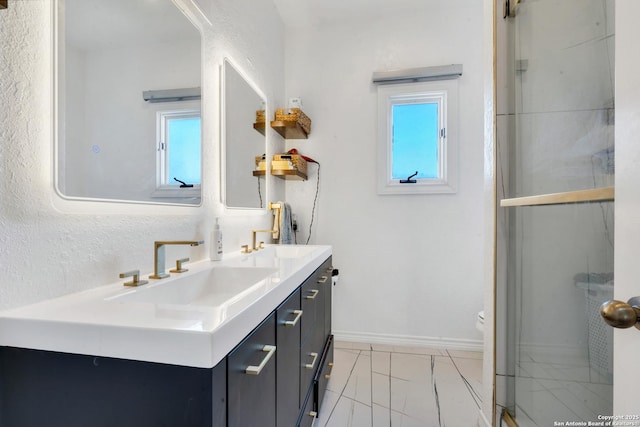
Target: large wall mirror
point(241, 141)
point(128, 101)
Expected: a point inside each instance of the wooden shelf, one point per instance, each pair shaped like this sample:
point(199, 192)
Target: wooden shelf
point(289, 174)
point(604, 194)
point(284, 174)
point(260, 127)
point(289, 129)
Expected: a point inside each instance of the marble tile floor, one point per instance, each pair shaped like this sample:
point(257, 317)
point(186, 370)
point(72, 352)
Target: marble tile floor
point(377, 385)
point(549, 390)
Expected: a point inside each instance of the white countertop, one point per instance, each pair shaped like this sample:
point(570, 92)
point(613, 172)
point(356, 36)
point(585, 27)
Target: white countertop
point(122, 322)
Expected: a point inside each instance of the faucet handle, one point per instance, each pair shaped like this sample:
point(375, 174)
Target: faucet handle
point(245, 249)
point(136, 278)
point(179, 268)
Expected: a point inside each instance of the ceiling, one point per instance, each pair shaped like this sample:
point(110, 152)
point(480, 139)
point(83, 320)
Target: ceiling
point(103, 24)
point(315, 12)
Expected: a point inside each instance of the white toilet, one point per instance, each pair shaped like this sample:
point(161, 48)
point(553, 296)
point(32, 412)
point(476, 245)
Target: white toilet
point(480, 322)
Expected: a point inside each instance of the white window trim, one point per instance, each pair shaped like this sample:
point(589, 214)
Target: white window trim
point(447, 93)
point(171, 190)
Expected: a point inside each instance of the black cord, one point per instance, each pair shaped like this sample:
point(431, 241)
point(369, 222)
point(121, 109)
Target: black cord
point(313, 210)
point(259, 192)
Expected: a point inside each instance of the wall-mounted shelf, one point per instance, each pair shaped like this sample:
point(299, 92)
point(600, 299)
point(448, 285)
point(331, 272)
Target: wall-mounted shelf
point(283, 174)
point(260, 127)
point(289, 130)
point(289, 174)
point(292, 123)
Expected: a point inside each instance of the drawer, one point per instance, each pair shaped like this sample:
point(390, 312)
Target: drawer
point(312, 302)
point(308, 416)
point(251, 378)
point(324, 374)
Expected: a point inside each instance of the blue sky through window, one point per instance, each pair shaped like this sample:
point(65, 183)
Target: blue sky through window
point(415, 140)
point(184, 150)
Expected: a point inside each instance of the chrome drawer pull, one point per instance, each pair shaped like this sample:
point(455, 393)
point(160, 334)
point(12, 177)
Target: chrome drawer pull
point(293, 322)
point(311, 365)
point(315, 293)
point(323, 279)
point(255, 370)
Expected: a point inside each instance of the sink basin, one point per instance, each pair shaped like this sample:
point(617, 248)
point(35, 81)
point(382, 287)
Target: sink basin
point(207, 288)
point(286, 251)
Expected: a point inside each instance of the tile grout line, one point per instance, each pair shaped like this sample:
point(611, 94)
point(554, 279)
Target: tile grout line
point(474, 394)
point(435, 388)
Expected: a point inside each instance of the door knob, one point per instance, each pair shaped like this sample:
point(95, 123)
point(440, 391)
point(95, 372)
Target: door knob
point(621, 314)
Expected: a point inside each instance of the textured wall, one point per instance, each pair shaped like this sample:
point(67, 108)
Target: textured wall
point(47, 250)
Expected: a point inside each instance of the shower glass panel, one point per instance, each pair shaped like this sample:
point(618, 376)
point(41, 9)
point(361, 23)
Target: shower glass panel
point(562, 264)
point(559, 258)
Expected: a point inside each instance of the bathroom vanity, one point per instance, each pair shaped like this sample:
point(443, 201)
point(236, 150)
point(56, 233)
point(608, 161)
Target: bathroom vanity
point(241, 342)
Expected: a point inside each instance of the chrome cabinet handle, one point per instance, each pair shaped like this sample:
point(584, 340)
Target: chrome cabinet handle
point(621, 314)
point(314, 292)
point(314, 415)
point(255, 370)
point(293, 322)
point(323, 279)
point(312, 364)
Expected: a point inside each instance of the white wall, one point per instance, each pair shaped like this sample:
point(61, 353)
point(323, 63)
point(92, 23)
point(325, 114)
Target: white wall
point(411, 267)
point(46, 253)
point(113, 116)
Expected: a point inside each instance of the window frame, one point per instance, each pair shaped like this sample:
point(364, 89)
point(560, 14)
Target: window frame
point(445, 92)
point(163, 186)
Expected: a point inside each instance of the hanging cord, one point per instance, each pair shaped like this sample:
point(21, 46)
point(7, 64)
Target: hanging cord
point(259, 192)
point(313, 210)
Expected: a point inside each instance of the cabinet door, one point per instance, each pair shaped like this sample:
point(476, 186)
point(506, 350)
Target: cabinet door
point(310, 294)
point(251, 376)
point(288, 317)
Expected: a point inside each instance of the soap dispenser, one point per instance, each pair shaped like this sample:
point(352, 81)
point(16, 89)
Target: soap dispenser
point(216, 243)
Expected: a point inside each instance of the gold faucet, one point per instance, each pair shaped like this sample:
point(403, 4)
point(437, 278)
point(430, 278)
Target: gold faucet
point(158, 256)
point(275, 230)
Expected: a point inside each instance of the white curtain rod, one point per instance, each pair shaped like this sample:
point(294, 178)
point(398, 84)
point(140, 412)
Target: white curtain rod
point(441, 72)
point(169, 95)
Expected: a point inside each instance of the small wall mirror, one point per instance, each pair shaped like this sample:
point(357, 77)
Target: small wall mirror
point(242, 142)
point(128, 102)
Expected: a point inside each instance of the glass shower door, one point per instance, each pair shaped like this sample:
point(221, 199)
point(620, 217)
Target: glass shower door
point(559, 245)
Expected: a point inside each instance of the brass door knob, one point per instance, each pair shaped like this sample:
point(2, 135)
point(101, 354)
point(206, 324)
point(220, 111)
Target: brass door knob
point(621, 314)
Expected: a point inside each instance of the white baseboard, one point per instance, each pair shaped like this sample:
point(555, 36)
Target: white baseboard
point(410, 341)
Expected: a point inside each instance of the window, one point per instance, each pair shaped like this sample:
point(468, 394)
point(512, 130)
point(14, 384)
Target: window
point(178, 153)
point(417, 137)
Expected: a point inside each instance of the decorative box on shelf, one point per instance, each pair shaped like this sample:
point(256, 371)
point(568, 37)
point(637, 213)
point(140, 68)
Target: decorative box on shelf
point(285, 166)
point(261, 166)
point(261, 122)
point(292, 123)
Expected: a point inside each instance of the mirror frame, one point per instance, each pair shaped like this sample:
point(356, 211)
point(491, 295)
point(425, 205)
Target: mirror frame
point(91, 205)
point(223, 136)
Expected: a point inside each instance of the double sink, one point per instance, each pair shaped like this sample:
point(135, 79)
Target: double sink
point(190, 319)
